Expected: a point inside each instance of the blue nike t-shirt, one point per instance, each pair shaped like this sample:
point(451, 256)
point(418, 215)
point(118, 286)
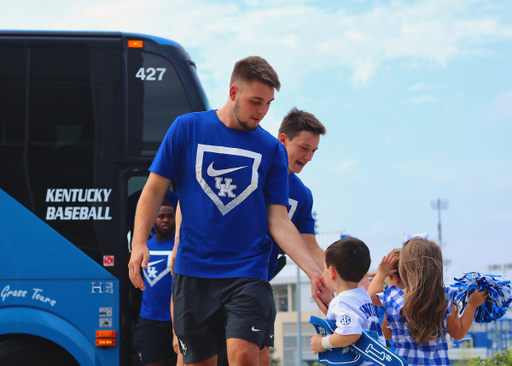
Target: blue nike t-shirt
point(156, 299)
point(224, 178)
point(300, 211)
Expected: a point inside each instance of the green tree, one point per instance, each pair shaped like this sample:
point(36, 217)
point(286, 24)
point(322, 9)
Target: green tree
point(499, 359)
point(274, 361)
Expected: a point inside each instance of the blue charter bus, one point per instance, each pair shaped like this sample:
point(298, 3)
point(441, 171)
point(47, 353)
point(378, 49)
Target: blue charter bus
point(82, 115)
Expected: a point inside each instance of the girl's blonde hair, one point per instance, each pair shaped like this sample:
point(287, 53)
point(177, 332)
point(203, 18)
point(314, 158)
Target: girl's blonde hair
point(421, 267)
point(396, 263)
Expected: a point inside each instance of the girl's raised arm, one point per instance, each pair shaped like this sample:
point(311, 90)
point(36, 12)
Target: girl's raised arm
point(459, 327)
point(377, 283)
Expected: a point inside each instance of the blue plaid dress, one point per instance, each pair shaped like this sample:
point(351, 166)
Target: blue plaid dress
point(429, 353)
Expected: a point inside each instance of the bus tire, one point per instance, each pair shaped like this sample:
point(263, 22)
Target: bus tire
point(32, 350)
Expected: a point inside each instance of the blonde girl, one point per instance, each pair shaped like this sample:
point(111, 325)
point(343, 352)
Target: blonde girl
point(420, 315)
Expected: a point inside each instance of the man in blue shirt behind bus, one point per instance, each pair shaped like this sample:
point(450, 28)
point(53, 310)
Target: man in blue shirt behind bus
point(153, 332)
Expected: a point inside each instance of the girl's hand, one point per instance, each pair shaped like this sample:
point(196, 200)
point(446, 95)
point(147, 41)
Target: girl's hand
point(477, 298)
point(386, 264)
point(316, 344)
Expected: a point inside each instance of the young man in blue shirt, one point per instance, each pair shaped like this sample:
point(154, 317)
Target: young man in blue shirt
point(231, 179)
point(300, 133)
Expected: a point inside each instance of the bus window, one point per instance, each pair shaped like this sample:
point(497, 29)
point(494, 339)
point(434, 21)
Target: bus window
point(195, 77)
point(156, 96)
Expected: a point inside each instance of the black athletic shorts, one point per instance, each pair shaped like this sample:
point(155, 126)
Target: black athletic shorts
point(207, 311)
point(153, 341)
point(268, 340)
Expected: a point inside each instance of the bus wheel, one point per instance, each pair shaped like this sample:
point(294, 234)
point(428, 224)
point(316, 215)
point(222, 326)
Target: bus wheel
point(25, 350)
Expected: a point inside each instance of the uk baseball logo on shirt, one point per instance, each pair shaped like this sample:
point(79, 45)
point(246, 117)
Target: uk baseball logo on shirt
point(158, 266)
point(227, 175)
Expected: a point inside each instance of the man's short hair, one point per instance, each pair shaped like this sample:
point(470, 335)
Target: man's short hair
point(350, 257)
point(255, 68)
point(297, 121)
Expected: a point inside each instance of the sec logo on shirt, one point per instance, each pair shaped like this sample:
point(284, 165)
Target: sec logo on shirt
point(345, 320)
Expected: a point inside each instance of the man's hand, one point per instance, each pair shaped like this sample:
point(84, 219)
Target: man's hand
point(324, 294)
point(139, 258)
point(321, 294)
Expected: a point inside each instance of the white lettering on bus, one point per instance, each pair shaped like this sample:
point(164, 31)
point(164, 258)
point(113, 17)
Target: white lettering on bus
point(37, 295)
point(78, 213)
point(75, 194)
point(6, 292)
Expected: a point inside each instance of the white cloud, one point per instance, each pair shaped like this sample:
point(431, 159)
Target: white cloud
point(474, 176)
point(502, 106)
point(345, 165)
point(394, 138)
point(296, 37)
point(416, 87)
point(363, 72)
point(423, 99)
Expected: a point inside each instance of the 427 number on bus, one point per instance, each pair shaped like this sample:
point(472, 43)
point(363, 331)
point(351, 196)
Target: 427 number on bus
point(151, 73)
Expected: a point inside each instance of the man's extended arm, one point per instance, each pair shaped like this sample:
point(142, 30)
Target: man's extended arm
point(316, 252)
point(288, 238)
point(149, 203)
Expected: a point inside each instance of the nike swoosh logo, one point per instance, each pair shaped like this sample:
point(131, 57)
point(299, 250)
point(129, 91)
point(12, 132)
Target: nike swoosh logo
point(155, 262)
point(272, 336)
point(212, 172)
point(255, 330)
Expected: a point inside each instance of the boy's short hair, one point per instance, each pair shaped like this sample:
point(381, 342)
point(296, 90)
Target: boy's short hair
point(350, 257)
point(297, 121)
point(255, 68)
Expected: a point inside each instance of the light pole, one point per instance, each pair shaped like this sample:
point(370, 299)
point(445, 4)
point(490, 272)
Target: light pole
point(439, 205)
point(299, 321)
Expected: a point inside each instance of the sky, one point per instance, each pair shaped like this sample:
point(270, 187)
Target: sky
point(416, 97)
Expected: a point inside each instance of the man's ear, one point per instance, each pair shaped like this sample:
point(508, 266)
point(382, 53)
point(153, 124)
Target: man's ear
point(283, 138)
point(233, 92)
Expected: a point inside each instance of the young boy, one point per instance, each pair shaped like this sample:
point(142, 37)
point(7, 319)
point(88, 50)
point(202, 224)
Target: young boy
point(346, 262)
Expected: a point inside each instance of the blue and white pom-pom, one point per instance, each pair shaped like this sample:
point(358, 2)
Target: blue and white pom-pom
point(498, 299)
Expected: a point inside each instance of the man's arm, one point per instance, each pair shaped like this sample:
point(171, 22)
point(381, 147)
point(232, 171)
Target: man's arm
point(149, 203)
point(288, 238)
point(318, 255)
point(177, 224)
point(316, 252)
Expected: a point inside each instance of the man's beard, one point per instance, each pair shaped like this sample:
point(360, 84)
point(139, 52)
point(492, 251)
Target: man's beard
point(244, 124)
